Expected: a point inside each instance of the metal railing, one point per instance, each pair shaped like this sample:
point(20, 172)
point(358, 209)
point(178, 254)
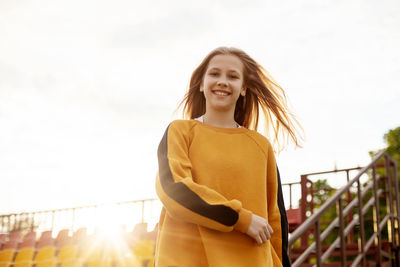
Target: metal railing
point(360, 206)
point(290, 186)
point(126, 214)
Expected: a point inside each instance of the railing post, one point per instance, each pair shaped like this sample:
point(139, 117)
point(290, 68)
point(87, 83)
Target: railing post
point(290, 196)
point(376, 217)
point(303, 208)
point(350, 237)
point(317, 243)
point(389, 202)
point(396, 214)
point(142, 211)
point(396, 182)
point(52, 219)
point(32, 226)
point(73, 219)
point(361, 237)
point(341, 232)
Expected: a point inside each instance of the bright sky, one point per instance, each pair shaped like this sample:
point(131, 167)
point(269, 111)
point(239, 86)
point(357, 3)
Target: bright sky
point(87, 88)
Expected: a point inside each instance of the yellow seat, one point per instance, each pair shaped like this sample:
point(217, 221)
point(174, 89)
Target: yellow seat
point(94, 257)
point(68, 252)
point(46, 257)
point(67, 256)
point(6, 257)
point(143, 251)
point(120, 257)
point(150, 263)
point(24, 257)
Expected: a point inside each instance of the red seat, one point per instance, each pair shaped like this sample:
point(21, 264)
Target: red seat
point(29, 240)
point(45, 240)
point(15, 235)
point(79, 236)
point(30, 235)
point(11, 244)
point(2, 240)
point(63, 239)
point(294, 218)
point(28, 243)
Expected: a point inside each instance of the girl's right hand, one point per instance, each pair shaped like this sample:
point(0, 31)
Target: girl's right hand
point(259, 229)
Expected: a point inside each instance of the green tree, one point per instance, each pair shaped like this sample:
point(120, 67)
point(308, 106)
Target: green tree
point(392, 139)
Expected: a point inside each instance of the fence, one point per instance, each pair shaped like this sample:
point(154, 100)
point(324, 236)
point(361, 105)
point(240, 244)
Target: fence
point(94, 217)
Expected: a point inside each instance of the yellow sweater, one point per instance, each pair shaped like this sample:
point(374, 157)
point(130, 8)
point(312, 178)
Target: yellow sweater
point(210, 181)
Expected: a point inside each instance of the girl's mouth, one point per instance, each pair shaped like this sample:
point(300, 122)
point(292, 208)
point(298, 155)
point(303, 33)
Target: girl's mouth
point(221, 93)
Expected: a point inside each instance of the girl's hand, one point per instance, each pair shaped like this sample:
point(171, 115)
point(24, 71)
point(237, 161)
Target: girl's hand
point(259, 229)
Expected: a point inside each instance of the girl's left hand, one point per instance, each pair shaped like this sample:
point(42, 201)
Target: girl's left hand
point(259, 229)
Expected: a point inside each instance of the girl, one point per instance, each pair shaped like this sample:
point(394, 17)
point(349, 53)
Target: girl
point(218, 180)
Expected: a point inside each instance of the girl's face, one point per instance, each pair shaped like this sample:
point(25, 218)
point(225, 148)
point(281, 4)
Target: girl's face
point(223, 83)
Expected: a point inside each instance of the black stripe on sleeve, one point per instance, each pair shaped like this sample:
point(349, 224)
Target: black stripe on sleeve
point(182, 194)
point(284, 224)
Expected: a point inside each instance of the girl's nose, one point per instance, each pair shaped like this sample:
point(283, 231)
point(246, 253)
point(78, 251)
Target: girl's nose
point(222, 83)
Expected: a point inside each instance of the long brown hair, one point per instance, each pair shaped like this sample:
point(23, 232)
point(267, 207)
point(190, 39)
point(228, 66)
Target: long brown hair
point(262, 92)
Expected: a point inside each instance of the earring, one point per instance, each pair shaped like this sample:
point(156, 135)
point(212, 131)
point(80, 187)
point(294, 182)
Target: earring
point(243, 93)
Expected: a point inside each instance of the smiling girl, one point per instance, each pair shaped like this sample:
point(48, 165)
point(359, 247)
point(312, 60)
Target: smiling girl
point(217, 179)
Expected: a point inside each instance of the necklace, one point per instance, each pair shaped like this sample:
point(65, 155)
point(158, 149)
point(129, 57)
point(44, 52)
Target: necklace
point(203, 121)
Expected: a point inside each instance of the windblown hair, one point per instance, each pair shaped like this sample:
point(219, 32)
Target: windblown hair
point(262, 93)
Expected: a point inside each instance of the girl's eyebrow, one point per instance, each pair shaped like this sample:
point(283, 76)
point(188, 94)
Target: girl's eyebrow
point(230, 70)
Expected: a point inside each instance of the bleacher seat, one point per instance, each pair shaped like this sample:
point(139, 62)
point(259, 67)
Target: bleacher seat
point(15, 235)
point(24, 257)
point(294, 218)
point(93, 257)
point(6, 257)
point(30, 235)
point(28, 243)
point(63, 239)
point(79, 236)
point(45, 240)
point(144, 251)
point(67, 253)
point(29, 240)
point(11, 244)
point(45, 257)
point(2, 240)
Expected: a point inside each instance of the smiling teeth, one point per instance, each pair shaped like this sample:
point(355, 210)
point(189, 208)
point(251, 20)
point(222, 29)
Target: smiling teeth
point(220, 93)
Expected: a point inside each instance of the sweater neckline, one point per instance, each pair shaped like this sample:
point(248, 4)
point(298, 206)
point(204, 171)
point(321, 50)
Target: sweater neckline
point(199, 121)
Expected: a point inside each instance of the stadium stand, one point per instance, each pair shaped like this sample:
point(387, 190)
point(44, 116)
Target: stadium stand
point(79, 250)
point(78, 236)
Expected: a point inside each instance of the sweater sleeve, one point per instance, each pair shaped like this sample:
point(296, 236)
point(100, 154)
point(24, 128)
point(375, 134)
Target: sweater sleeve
point(274, 217)
point(182, 197)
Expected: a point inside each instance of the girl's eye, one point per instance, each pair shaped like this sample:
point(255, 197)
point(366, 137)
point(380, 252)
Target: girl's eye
point(234, 77)
point(213, 73)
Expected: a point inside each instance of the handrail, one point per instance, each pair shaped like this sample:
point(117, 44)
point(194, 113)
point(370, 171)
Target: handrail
point(79, 207)
point(313, 222)
point(313, 218)
point(73, 217)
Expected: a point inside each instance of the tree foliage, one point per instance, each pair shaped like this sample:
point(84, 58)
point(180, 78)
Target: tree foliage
point(392, 139)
